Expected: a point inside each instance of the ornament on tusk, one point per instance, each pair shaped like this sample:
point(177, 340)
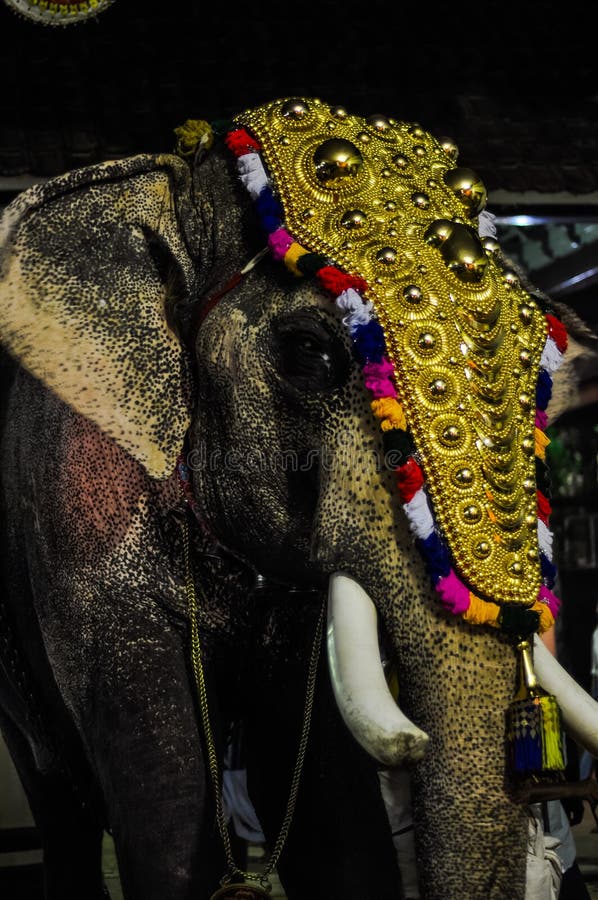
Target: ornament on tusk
point(358, 680)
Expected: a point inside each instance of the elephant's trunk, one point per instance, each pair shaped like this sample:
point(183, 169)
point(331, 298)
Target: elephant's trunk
point(455, 684)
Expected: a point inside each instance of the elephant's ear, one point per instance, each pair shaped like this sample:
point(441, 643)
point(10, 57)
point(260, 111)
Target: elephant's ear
point(575, 383)
point(86, 262)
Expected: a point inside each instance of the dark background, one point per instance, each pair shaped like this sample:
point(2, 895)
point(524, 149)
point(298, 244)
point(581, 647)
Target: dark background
point(514, 84)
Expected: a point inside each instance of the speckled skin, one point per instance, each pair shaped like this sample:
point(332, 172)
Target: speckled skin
point(284, 475)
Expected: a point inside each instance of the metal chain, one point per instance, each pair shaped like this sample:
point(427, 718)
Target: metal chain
point(199, 675)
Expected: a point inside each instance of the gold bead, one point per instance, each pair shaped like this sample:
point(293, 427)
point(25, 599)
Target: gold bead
point(450, 147)
point(472, 513)
point(416, 130)
point(387, 255)
point(450, 434)
point(400, 161)
point(516, 569)
point(482, 549)
point(532, 554)
point(510, 277)
point(419, 150)
point(531, 521)
point(364, 137)
point(460, 248)
point(378, 122)
point(463, 477)
point(529, 486)
point(294, 109)
point(336, 159)
point(426, 341)
point(421, 200)
point(490, 245)
point(526, 313)
point(392, 232)
point(527, 444)
point(285, 141)
point(437, 387)
point(354, 219)
point(339, 112)
point(412, 293)
point(525, 358)
point(525, 400)
point(390, 205)
point(439, 231)
point(468, 188)
point(385, 173)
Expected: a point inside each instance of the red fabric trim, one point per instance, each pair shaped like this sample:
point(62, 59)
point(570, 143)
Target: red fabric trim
point(240, 142)
point(557, 332)
point(410, 479)
point(335, 281)
point(544, 507)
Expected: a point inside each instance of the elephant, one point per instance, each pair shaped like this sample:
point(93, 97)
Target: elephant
point(198, 501)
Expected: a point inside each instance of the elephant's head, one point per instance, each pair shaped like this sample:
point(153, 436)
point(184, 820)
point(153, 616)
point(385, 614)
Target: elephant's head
point(365, 402)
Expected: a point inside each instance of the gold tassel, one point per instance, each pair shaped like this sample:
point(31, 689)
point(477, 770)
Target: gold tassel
point(534, 724)
point(193, 134)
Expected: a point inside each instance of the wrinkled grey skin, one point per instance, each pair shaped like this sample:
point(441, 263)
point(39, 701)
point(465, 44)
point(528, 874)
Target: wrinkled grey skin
point(98, 702)
point(94, 575)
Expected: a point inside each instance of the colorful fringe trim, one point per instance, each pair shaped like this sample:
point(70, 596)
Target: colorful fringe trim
point(349, 293)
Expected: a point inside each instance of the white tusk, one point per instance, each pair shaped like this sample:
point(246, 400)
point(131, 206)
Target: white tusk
point(579, 709)
point(358, 681)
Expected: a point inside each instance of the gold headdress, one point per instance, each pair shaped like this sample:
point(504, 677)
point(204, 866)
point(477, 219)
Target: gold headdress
point(385, 203)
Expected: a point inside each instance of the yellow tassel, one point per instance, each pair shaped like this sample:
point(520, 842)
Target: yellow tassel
point(541, 443)
point(546, 617)
point(552, 735)
point(295, 252)
point(391, 412)
point(481, 612)
point(193, 134)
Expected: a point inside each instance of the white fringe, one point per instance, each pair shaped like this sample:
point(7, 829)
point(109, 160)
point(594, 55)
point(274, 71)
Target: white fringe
point(545, 539)
point(419, 515)
point(252, 174)
point(486, 224)
point(358, 311)
point(552, 358)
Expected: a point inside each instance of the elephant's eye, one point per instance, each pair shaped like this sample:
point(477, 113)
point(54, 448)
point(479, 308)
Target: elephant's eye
point(310, 355)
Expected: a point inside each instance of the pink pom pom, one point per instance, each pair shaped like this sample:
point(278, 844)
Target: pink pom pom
point(454, 595)
point(378, 378)
point(546, 596)
point(279, 242)
point(541, 419)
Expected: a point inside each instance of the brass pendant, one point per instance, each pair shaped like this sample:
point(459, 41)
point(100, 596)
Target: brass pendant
point(240, 892)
